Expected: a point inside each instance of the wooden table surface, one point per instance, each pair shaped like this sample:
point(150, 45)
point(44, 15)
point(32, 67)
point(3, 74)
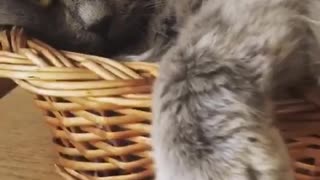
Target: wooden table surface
point(25, 144)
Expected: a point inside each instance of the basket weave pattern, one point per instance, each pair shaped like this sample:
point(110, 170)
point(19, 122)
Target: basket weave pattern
point(299, 121)
point(99, 111)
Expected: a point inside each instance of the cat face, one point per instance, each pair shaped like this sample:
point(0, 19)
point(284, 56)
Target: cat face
point(115, 24)
point(115, 20)
point(96, 14)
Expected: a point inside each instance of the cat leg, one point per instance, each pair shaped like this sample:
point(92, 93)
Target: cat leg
point(203, 111)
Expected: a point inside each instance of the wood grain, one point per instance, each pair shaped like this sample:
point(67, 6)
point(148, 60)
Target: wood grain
point(25, 144)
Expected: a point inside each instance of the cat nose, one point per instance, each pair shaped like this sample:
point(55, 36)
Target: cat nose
point(103, 25)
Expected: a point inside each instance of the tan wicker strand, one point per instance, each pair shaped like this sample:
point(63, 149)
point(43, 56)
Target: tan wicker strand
point(98, 111)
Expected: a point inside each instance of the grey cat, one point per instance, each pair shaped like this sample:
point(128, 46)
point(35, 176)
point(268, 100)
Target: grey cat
point(221, 62)
point(90, 26)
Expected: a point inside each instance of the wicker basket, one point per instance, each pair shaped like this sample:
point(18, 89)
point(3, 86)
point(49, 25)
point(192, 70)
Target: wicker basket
point(99, 111)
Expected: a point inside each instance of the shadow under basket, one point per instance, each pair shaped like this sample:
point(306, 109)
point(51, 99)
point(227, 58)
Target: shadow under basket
point(98, 111)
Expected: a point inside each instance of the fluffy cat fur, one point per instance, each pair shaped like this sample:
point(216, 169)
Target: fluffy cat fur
point(218, 72)
point(221, 61)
